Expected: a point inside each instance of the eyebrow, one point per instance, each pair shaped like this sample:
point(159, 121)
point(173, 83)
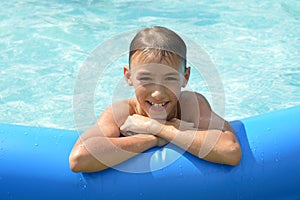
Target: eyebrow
point(143, 73)
point(172, 74)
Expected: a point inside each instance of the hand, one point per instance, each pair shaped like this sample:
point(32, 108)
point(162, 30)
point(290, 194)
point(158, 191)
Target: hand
point(135, 124)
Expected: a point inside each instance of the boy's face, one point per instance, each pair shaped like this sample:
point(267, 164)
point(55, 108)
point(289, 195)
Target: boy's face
point(157, 86)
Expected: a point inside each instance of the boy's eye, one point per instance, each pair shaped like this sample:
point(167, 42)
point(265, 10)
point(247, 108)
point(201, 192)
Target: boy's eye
point(144, 79)
point(171, 78)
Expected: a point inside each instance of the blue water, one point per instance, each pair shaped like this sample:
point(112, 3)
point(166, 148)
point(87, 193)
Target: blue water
point(255, 46)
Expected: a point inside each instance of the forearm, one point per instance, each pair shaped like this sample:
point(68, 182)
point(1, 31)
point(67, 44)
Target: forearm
point(211, 145)
point(220, 146)
point(98, 153)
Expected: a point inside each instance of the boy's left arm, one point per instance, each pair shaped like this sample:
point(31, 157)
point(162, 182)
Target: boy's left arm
point(216, 143)
point(218, 146)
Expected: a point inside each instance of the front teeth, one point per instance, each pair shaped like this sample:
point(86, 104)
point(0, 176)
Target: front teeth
point(157, 105)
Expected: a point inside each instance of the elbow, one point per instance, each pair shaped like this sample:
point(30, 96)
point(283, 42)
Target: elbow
point(74, 163)
point(232, 150)
point(79, 162)
point(234, 154)
point(226, 151)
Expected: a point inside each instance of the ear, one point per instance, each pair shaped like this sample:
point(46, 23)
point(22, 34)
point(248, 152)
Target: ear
point(127, 75)
point(186, 76)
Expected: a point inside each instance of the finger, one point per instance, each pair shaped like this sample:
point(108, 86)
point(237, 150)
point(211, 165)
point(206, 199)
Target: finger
point(124, 127)
point(124, 133)
point(175, 120)
point(187, 124)
point(191, 125)
point(127, 124)
point(129, 133)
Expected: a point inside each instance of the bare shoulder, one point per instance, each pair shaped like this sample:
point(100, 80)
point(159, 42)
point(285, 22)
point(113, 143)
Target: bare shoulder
point(193, 97)
point(116, 113)
point(195, 100)
point(194, 106)
point(114, 116)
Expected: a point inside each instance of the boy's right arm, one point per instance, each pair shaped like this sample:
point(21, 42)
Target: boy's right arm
point(101, 146)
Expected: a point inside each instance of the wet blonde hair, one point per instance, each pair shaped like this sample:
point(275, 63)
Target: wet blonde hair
point(158, 45)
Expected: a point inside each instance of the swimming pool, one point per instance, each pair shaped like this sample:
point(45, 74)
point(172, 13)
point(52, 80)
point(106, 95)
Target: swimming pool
point(255, 47)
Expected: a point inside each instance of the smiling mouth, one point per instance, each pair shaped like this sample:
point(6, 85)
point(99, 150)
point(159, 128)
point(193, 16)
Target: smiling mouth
point(158, 105)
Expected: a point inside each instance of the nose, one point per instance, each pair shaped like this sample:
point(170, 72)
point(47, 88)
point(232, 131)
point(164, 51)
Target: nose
point(159, 92)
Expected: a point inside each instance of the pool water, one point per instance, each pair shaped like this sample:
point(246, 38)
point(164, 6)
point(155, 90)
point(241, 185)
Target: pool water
point(255, 46)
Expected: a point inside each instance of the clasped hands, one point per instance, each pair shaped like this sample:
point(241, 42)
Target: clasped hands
point(138, 124)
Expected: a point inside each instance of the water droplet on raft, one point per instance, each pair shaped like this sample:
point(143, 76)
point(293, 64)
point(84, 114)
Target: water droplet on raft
point(262, 156)
point(277, 157)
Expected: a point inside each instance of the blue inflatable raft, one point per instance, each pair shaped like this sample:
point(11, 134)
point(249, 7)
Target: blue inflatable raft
point(34, 165)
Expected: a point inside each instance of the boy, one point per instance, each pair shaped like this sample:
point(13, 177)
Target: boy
point(160, 113)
